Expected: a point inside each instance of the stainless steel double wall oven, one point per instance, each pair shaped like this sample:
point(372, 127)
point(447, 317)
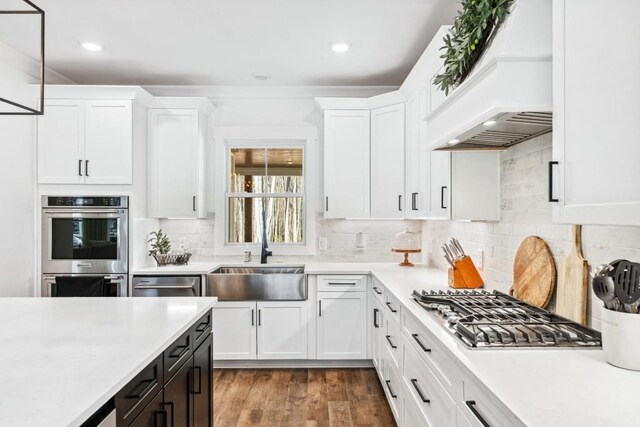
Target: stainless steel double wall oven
point(85, 246)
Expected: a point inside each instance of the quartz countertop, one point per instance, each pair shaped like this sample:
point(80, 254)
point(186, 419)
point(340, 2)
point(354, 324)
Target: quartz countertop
point(63, 358)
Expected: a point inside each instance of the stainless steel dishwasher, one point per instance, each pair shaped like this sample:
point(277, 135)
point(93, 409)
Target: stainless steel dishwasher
point(167, 286)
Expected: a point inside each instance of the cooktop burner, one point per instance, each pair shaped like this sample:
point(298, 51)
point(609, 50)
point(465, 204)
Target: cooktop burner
point(483, 319)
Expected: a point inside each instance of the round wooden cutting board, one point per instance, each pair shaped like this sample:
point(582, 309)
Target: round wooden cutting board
point(534, 272)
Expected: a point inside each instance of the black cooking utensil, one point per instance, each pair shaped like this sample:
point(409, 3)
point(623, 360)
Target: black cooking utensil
point(627, 285)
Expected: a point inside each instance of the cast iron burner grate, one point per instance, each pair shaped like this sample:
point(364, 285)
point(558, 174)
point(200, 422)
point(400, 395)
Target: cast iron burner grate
point(483, 319)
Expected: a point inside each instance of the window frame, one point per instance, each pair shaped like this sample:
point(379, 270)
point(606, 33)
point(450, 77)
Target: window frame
point(227, 137)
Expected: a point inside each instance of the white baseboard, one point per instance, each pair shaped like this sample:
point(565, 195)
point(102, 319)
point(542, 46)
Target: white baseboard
point(290, 364)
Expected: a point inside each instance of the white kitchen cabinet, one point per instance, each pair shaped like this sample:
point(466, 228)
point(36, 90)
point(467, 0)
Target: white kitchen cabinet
point(177, 144)
point(416, 158)
point(282, 329)
point(86, 141)
point(377, 332)
point(234, 329)
point(439, 203)
point(387, 161)
point(341, 325)
point(596, 123)
point(346, 163)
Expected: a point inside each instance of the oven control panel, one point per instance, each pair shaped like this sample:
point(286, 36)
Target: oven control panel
point(97, 201)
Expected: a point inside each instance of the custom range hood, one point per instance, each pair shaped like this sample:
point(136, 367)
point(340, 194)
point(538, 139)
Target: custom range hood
point(507, 98)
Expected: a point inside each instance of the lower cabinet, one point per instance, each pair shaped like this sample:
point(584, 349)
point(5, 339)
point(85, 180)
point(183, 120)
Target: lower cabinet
point(177, 396)
point(250, 330)
point(342, 325)
point(202, 392)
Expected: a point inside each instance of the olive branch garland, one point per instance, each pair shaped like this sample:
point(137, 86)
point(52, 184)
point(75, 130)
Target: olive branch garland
point(472, 30)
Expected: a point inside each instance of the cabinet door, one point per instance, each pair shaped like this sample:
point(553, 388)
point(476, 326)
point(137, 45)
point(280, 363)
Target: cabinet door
point(596, 124)
point(387, 161)
point(346, 164)
point(108, 142)
point(416, 158)
point(341, 324)
point(61, 142)
point(173, 163)
point(177, 396)
point(282, 330)
point(439, 185)
point(153, 415)
point(234, 326)
point(202, 384)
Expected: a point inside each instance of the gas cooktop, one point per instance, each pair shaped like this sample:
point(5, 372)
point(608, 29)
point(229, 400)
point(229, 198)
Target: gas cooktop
point(483, 319)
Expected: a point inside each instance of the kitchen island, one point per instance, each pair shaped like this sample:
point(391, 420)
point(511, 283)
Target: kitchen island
point(63, 359)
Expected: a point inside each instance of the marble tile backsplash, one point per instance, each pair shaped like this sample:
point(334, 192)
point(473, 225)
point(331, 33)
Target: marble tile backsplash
point(526, 211)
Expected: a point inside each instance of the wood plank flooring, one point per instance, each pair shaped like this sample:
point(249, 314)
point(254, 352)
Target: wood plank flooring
point(299, 397)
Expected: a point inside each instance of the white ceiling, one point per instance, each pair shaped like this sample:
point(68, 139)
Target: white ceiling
point(222, 42)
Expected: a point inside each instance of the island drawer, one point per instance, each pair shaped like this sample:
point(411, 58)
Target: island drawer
point(345, 283)
point(177, 353)
point(377, 289)
point(201, 330)
point(393, 306)
point(134, 396)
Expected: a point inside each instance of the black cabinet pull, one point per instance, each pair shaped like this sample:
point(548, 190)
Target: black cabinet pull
point(326, 203)
point(194, 203)
point(192, 378)
point(391, 307)
point(442, 206)
point(147, 386)
point(253, 317)
point(390, 391)
point(414, 381)
point(422, 346)
point(79, 167)
point(400, 202)
point(86, 167)
point(377, 291)
point(202, 327)
point(389, 341)
point(551, 198)
point(183, 349)
point(172, 417)
point(320, 308)
point(163, 419)
point(375, 318)
point(259, 317)
point(472, 406)
point(414, 201)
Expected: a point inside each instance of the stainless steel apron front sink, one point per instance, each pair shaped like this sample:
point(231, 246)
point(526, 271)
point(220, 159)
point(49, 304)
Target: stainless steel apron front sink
point(257, 284)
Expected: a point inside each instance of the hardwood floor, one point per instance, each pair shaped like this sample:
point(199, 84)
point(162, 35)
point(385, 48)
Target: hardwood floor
point(299, 397)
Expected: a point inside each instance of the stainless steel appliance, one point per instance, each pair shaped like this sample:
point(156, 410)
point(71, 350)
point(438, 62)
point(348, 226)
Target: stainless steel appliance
point(167, 286)
point(94, 285)
point(85, 235)
point(491, 320)
point(257, 284)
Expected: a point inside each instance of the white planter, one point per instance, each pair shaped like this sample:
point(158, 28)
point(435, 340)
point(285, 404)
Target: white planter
point(620, 332)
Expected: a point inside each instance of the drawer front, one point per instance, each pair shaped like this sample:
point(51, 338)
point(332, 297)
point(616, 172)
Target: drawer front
point(156, 413)
point(437, 406)
point(378, 290)
point(201, 330)
point(481, 409)
point(345, 283)
point(392, 306)
point(134, 396)
point(176, 354)
point(430, 351)
point(392, 340)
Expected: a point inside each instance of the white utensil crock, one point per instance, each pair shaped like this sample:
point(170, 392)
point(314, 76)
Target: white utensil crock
point(621, 339)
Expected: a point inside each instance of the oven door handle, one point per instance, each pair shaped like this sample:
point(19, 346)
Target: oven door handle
point(82, 211)
point(163, 287)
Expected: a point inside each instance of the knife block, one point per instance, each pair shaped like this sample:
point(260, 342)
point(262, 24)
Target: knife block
point(465, 275)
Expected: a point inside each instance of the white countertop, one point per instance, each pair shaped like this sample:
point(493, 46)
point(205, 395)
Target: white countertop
point(543, 387)
point(63, 358)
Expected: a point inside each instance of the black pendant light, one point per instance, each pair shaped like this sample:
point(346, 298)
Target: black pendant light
point(24, 110)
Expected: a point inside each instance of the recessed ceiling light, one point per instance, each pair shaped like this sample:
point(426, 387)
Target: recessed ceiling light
point(340, 47)
point(453, 141)
point(92, 47)
point(489, 123)
point(261, 76)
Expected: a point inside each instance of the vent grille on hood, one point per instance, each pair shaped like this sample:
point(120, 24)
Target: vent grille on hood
point(509, 129)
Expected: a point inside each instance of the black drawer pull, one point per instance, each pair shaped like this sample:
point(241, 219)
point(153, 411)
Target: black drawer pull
point(183, 349)
point(146, 385)
point(377, 291)
point(202, 326)
point(375, 318)
point(472, 406)
point(422, 346)
point(389, 341)
point(192, 377)
point(390, 391)
point(393, 310)
point(414, 381)
point(172, 417)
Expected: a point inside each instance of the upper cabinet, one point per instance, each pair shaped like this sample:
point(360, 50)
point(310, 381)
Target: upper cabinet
point(346, 163)
point(387, 161)
point(596, 121)
point(177, 154)
point(86, 135)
